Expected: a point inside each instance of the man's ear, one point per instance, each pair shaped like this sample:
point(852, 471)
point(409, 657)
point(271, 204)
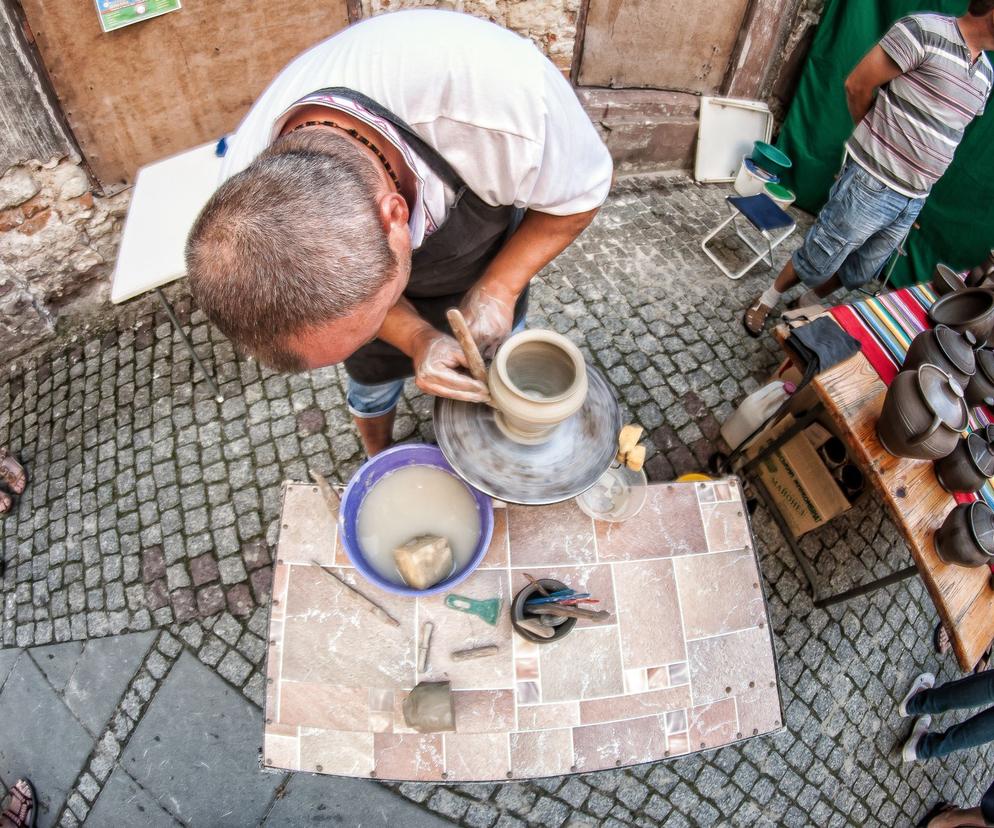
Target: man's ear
point(393, 212)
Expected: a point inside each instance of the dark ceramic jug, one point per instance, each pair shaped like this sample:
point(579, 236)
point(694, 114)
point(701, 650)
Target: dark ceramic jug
point(966, 537)
point(943, 347)
point(980, 388)
point(946, 280)
point(967, 467)
point(923, 414)
point(971, 309)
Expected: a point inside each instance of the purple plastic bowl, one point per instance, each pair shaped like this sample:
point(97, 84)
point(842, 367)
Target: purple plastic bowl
point(407, 454)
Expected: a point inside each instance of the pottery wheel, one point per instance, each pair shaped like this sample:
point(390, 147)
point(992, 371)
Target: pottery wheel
point(570, 462)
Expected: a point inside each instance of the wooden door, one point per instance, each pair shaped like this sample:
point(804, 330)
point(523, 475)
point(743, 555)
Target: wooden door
point(164, 85)
point(660, 44)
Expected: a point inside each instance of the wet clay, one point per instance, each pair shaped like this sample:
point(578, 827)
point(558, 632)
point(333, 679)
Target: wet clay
point(423, 561)
point(414, 501)
point(428, 707)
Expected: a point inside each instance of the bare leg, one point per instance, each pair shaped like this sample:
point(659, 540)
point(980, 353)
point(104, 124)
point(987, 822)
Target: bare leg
point(376, 432)
point(829, 287)
point(787, 278)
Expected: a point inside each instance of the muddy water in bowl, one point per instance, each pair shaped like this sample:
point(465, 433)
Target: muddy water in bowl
point(537, 381)
point(412, 501)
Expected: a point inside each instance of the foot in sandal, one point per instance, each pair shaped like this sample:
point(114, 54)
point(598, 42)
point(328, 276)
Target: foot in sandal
point(12, 472)
point(22, 811)
point(754, 319)
point(6, 503)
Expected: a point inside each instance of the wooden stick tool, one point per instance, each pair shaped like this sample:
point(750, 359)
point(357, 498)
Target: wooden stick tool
point(461, 332)
point(368, 604)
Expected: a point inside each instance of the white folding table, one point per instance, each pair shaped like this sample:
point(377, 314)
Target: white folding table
point(168, 195)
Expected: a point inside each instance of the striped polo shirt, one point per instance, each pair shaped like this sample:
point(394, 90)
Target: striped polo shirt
point(908, 138)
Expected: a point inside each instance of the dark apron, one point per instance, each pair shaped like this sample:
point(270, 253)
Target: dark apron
point(449, 262)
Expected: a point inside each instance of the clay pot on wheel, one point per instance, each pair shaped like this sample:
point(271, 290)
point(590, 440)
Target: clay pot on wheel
point(970, 309)
point(923, 414)
point(537, 380)
point(945, 348)
point(967, 467)
point(981, 385)
point(966, 537)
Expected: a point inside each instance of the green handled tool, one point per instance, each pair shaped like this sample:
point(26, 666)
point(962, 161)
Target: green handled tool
point(488, 610)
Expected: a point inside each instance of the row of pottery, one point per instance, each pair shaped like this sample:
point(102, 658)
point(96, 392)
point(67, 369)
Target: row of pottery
point(925, 412)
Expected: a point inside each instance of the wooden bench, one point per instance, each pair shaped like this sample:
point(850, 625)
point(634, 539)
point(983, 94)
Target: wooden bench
point(852, 394)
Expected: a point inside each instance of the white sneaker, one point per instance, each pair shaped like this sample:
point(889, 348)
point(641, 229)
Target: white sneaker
point(909, 753)
point(924, 682)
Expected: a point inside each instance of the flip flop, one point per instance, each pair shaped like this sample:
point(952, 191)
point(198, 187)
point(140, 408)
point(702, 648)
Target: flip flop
point(12, 472)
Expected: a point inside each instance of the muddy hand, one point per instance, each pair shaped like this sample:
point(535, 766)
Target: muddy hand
point(489, 312)
point(440, 369)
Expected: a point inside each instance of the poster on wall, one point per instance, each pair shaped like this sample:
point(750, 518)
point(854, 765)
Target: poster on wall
point(115, 14)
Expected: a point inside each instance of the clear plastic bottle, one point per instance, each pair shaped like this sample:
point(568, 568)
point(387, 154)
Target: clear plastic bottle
point(755, 410)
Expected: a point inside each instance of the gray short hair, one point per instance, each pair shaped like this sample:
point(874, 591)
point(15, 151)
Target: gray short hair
point(291, 242)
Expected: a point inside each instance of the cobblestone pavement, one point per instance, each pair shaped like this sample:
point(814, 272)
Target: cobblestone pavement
point(153, 508)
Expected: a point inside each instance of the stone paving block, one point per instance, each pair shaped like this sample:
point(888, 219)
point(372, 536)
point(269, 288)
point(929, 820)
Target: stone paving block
point(52, 764)
point(218, 728)
point(311, 799)
point(57, 662)
point(124, 802)
point(102, 673)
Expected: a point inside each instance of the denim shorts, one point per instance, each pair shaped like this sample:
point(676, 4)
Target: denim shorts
point(861, 225)
point(367, 401)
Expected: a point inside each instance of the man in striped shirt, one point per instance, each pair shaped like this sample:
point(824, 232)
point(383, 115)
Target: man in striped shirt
point(911, 97)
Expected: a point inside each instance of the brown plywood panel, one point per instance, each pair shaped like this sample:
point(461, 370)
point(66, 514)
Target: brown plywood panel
point(167, 84)
point(664, 44)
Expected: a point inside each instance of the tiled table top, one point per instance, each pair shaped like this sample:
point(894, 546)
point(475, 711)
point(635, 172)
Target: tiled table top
point(686, 664)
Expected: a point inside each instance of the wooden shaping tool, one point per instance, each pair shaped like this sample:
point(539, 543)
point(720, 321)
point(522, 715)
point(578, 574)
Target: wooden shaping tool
point(368, 604)
point(569, 612)
point(461, 332)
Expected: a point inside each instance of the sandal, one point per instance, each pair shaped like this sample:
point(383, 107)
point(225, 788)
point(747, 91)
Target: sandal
point(22, 811)
point(6, 503)
point(940, 639)
point(12, 472)
point(754, 319)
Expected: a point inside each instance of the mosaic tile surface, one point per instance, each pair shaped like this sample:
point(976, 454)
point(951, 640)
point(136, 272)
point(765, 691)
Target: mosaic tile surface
point(686, 663)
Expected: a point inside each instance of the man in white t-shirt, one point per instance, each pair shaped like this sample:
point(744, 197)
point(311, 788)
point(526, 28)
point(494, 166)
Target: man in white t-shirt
point(416, 161)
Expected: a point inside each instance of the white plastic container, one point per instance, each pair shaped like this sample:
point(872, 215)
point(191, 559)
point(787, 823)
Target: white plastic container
point(751, 179)
point(755, 410)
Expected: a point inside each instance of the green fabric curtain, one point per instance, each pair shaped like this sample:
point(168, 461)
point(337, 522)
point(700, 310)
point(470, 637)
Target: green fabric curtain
point(957, 223)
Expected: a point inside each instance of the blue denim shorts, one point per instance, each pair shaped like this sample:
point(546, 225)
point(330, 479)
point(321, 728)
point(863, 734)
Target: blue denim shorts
point(861, 225)
point(367, 401)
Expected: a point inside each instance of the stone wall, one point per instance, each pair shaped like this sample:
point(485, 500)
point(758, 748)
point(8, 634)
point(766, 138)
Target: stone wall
point(551, 24)
point(58, 242)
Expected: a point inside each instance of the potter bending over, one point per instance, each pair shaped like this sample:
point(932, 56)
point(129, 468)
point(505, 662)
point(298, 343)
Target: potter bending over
point(414, 162)
point(931, 79)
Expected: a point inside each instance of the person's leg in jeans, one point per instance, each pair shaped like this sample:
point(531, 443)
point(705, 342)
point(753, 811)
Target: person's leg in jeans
point(859, 207)
point(964, 694)
point(374, 408)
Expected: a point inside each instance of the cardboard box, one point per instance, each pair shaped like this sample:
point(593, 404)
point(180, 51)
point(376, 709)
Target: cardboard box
point(801, 487)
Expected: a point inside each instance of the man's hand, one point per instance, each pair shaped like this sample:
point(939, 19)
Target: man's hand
point(437, 360)
point(489, 312)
